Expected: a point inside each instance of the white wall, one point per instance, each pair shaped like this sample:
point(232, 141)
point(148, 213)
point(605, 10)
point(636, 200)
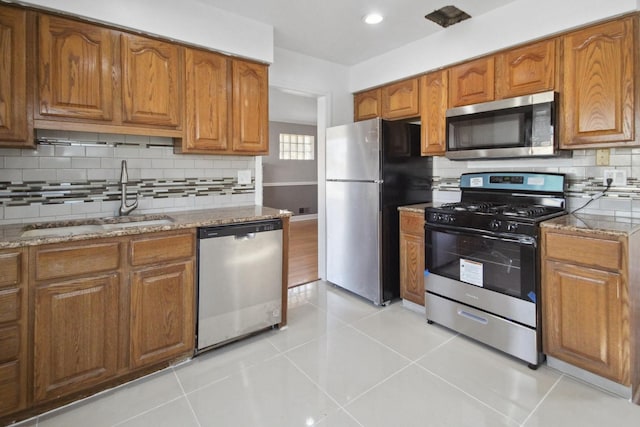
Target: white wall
point(191, 21)
point(515, 23)
point(291, 70)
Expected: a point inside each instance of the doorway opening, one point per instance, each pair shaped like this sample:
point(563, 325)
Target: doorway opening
point(290, 176)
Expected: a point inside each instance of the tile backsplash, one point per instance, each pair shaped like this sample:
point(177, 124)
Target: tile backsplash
point(585, 178)
point(82, 180)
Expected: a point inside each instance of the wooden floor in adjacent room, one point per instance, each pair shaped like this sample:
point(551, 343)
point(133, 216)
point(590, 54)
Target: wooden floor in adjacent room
point(303, 252)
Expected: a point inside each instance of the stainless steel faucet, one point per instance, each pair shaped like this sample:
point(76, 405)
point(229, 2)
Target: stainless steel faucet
point(124, 180)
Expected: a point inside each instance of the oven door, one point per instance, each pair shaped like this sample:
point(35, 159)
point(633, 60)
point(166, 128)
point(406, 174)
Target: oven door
point(506, 265)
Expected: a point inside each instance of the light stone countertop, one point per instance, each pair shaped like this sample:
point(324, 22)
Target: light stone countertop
point(11, 235)
point(417, 208)
point(606, 225)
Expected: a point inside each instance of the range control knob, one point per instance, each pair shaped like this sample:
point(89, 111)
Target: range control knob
point(494, 224)
point(512, 227)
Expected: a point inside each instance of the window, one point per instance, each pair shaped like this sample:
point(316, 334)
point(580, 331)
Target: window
point(296, 147)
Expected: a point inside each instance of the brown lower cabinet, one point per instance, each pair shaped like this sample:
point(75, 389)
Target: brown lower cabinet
point(13, 331)
point(585, 290)
point(162, 298)
point(412, 256)
point(102, 311)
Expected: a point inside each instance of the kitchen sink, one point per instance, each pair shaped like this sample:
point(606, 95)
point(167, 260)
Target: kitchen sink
point(69, 230)
point(145, 223)
point(88, 226)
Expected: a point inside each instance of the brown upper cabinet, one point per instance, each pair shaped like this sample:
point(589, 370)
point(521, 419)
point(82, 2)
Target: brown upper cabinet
point(433, 108)
point(401, 100)
point(250, 108)
point(526, 70)
point(472, 82)
point(207, 102)
point(226, 104)
point(93, 78)
point(15, 126)
point(367, 105)
point(598, 87)
point(76, 66)
point(151, 82)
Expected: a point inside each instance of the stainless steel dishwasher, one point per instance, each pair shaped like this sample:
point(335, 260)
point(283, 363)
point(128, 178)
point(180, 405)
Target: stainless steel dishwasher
point(239, 281)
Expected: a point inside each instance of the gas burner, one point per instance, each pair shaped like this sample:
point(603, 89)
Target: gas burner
point(531, 211)
point(470, 206)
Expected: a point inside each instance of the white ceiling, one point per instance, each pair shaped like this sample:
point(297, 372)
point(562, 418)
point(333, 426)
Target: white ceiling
point(333, 29)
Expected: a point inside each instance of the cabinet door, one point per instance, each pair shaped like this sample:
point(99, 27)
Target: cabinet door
point(472, 82)
point(598, 97)
point(526, 70)
point(250, 108)
point(75, 335)
point(585, 320)
point(412, 257)
point(151, 82)
point(401, 100)
point(162, 313)
point(76, 69)
point(13, 84)
point(433, 109)
point(367, 105)
point(207, 97)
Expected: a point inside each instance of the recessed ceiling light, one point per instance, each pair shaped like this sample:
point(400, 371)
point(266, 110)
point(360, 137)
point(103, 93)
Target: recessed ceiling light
point(372, 18)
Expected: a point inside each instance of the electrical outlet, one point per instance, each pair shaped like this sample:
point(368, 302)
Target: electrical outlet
point(618, 177)
point(602, 157)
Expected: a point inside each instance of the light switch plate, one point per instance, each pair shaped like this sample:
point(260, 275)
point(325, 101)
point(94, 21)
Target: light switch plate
point(618, 177)
point(244, 176)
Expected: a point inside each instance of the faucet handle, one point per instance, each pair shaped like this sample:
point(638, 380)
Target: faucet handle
point(124, 176)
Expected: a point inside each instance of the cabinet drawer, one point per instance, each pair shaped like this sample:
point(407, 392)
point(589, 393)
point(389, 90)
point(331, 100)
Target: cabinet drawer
point(10, 269)
point(154, 249)
point(9, 387)
point(9, 343)
point(584, 250)
point(10, 300)
point(69, 261)
point(412, 223)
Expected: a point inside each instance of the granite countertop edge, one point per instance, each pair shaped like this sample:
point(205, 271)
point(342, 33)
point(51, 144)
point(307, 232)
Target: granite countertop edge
point(600, 224)
point(11, 235)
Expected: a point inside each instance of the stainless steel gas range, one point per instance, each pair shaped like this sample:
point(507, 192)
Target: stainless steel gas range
point(482, 259)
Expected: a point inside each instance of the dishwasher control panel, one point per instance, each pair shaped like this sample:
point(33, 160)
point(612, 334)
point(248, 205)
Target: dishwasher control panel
point(239, 228)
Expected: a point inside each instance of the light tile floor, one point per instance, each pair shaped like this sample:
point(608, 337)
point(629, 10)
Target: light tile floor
point(343, 362)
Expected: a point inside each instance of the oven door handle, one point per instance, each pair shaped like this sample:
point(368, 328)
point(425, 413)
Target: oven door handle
point(522, 240)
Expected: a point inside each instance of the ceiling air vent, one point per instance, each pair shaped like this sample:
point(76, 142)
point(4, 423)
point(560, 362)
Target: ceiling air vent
point(447, 15)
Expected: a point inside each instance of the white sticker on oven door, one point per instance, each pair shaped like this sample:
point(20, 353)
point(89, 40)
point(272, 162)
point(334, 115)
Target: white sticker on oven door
point(475, 182)
point(471, 272)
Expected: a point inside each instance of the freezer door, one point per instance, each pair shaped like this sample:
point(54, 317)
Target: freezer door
point(353, 151)
point(353, 238)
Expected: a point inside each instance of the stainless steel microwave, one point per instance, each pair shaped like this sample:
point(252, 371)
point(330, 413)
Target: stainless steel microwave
point(524, 126)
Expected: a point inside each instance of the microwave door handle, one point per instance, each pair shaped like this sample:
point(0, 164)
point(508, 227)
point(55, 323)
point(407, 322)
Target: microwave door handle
point(525, 240)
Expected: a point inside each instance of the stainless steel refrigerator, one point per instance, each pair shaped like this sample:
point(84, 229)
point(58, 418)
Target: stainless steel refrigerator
point(372, 167)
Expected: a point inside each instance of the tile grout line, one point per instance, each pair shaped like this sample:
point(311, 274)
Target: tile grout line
point(325, 392)
point(468, 394)
point(146, 411)
point(533, 411)
point(184, 393)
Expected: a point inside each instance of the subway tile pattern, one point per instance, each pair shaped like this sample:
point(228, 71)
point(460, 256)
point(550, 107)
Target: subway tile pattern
point(76, 175)
point(585, 179)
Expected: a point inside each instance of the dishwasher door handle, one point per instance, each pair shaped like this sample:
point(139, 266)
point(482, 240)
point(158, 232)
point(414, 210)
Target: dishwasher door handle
point(247, 236)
